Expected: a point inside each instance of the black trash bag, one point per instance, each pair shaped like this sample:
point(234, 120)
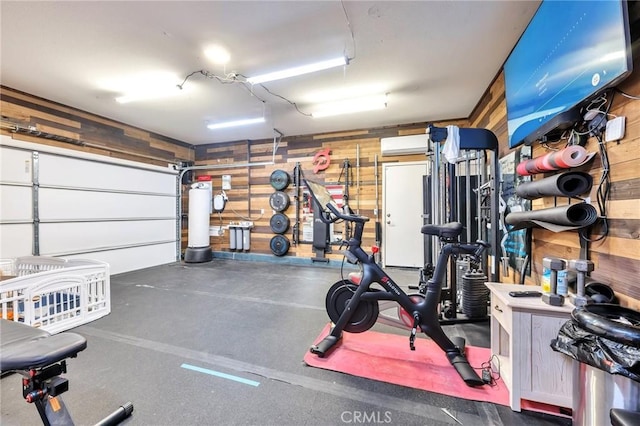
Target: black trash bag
point(596, 351)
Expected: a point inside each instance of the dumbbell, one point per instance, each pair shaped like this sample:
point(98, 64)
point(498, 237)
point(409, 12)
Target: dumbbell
point(582, 268)
point(554, 265)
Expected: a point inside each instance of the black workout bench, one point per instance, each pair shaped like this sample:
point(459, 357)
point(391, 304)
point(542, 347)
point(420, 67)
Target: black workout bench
point(40, 358)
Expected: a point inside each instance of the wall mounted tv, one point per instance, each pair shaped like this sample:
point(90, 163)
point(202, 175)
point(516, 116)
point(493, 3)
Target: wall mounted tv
point(568, 54)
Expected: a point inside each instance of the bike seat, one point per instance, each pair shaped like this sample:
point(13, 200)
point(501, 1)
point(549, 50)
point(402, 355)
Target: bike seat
point(24, 347)
point(448, 230)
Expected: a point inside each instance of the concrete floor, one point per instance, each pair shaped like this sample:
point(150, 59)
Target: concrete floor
point(254, 322)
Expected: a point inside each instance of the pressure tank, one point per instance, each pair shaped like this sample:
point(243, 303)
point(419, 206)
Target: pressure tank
point(198, 246)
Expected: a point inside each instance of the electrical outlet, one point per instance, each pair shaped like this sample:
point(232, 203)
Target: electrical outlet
point(615, 129)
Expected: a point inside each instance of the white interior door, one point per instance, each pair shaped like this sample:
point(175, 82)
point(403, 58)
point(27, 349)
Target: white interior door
point(403, 194)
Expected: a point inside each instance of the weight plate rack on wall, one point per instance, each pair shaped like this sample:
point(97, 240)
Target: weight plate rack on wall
point(279, 201)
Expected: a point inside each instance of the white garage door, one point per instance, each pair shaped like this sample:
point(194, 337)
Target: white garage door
point(70, 204)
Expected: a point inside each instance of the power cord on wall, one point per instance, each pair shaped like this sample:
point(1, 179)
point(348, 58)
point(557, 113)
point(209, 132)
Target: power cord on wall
point(598, 110)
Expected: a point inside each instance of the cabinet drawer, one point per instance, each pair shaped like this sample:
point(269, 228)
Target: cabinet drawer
point(501, 312)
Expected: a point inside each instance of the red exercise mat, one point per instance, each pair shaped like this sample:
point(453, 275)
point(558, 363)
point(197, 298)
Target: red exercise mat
point(387, 358)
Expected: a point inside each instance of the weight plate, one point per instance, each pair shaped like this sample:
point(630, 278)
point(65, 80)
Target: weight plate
point(279, 201)
point(279, 245)
point(279, 223)
point(365, 314)
point(279, 180)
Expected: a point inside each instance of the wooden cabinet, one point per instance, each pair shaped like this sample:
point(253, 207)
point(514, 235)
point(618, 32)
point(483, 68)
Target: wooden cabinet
point(521, 332)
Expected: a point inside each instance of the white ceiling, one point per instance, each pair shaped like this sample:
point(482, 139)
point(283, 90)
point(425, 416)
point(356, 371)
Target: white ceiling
point(435, 59)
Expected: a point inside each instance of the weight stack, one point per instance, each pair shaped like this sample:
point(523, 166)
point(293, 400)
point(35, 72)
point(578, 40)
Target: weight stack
point(475, 294)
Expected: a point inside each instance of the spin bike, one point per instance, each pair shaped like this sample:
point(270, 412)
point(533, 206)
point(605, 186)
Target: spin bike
point(354, 307)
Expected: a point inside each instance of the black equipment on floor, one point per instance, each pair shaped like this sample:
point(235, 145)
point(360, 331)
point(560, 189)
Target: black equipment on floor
point(354, 307)
point(41, 358)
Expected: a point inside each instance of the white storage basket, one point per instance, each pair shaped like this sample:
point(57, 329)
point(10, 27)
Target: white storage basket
point(54, 294)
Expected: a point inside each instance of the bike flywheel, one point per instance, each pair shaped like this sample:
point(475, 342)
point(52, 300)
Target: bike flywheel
point(338, 297)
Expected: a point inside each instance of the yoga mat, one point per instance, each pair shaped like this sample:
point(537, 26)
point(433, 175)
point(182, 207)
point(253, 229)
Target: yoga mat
point(566, 158)
point(567, 184)
point(387, 358)
point(555, 219)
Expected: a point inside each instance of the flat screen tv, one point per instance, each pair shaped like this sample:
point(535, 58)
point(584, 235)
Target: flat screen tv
point(569, 53)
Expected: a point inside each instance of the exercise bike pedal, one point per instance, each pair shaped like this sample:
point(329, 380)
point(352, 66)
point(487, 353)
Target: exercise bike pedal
point(325, 345)
point(412, 336)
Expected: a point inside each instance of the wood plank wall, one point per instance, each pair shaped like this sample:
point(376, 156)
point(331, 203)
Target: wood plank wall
point(251, 187)
point(72, 128)
point(616, 257)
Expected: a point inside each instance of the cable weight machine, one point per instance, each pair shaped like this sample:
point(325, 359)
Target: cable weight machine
point(464, 190)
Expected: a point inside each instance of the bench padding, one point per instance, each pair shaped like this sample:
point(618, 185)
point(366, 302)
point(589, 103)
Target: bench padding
point(23, 347)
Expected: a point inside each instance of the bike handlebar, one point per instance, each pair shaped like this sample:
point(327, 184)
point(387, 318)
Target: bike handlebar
point(476, 249)
point(340, 215)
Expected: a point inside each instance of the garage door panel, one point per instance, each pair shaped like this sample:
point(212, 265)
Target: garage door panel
point(61, 238)
point(63, 204)
point(15, 203)
point(16, 240)
point(82, 173)
point(15, 165)
point(133, 258)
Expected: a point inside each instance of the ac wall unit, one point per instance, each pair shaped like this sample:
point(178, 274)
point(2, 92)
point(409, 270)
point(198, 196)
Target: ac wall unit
point(405, 145)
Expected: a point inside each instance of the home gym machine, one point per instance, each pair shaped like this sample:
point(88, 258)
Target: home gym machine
point(463, 188)
point(40, 358)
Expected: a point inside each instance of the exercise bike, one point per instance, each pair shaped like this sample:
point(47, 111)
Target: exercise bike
point(354, 308)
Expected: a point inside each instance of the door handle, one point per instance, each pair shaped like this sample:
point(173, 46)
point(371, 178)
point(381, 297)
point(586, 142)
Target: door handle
point(388, 222)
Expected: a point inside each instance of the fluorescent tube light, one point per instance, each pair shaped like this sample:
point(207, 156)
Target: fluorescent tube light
point(235, 123)
point(348, 106)
point(144, 86)
point(292, 72)
point(148, 94)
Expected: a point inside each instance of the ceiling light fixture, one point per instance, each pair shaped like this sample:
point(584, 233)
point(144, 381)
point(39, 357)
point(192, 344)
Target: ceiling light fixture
point(217, 54)
point(348, 106)
point(143, 86)
point(236, 123)
point(293, 72)
point(145, 96)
